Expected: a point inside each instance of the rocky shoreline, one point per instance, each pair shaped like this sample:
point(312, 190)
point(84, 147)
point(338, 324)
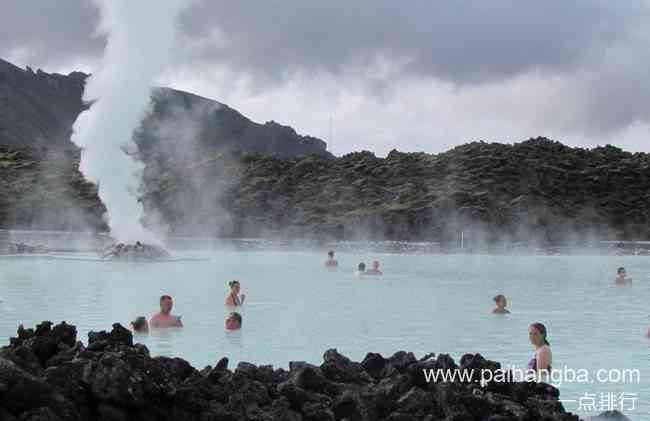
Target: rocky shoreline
point(47, 374)
point(22, 248)
point(108, 250)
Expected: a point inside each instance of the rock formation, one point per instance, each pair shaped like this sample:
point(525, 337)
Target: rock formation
point(21, 248)
point(211, 171)
point(40, 185)
point(134, 252)
point(46, 374)
point(536, 190)
point(42, 188)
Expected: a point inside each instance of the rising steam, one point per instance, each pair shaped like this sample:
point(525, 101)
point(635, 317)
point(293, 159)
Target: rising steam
point(140, 43)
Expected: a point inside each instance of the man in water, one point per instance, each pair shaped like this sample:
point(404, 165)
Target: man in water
point(375, 269)
point(331, 262)
point(621, 278)
point(165, 319)
point(234, 321)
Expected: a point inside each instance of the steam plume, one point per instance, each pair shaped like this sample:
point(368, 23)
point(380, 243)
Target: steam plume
point(140, 42)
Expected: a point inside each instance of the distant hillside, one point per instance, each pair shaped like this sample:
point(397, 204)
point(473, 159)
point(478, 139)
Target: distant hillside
point(37, 111)
point(537, 190)
point(36, 108)
point(181, 120)
point(211, 171)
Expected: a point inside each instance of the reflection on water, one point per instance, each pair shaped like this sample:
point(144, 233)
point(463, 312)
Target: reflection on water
point(236, 341)
point(295, 309)
point(164, 341)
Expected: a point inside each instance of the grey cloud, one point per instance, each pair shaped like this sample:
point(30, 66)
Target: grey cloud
point(459, 41)
point(52, 32)
point(598, 48)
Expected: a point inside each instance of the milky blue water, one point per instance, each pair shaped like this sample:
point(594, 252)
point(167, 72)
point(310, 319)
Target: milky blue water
point(295, 309)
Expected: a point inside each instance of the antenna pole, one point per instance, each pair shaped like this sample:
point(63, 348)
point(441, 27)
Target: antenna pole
point(331, 140)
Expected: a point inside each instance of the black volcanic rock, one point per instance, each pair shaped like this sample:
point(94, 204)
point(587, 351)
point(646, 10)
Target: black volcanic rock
point(134, 252)
point(211, 171)
point(121, 381)
point(610, 416)
point(538, 190)
point(42, 188)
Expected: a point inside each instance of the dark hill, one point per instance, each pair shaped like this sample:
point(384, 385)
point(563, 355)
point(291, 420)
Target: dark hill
point(535, 190)
point(211, 171)
point(40, 185)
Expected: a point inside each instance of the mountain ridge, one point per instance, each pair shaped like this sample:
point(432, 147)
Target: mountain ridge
point(209, 170)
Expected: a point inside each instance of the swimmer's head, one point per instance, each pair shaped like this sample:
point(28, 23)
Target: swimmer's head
point(234, 321)
point(166, 304)
point(537, 334)
point(500, 300)
point(235, 286)
point(375, 265)
point(330, 254)
point(621, 271)
point(362, 267)
point(140, 325)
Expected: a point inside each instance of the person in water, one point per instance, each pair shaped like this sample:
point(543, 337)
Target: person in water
point(375, 269)
point(621, 277)
point(542, 358)
point(140, 325)
point(164, 318)
point(233, 298)
point(361, 269)
point(501, 303)
point(234, 321)
point(331, 262)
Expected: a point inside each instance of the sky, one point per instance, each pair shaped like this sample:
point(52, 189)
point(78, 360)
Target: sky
point(418, 75)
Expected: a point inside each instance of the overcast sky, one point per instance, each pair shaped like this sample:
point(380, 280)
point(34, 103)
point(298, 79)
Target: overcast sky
point(415, 75)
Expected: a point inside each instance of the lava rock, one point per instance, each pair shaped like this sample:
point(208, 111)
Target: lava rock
point(114, 379)
point(135, 252)
point(610, 416)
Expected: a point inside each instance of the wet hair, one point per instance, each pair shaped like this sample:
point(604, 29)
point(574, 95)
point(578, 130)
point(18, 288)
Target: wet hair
point(362, 266)
point(542, 329)
point(233, 283)
point(330, 253)
point(620, 270)
point(139, 323)
point(165, 297)
point(499, 297)
point(236, 316)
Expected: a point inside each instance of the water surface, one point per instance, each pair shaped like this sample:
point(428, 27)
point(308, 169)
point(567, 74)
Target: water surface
point(296, 309)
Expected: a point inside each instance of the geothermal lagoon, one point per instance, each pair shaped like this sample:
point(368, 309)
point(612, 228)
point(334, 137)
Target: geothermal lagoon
point(296, 309)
